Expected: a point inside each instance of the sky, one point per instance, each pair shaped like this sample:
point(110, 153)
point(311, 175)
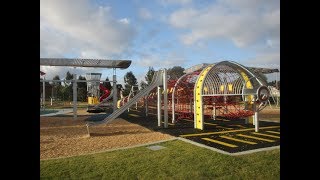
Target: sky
point(159, 33)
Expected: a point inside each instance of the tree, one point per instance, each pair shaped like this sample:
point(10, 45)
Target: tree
point(69, 76)
point(278, 85)
point(149, 75)
point(82, 89)
point(56, 77)
point(107, 84)
point(48, 89)
point(67, 89)
point(57, 87)
point(263, 77)
point(176, 72)
point(272, 83)
point(129, 80)
point(143, 85)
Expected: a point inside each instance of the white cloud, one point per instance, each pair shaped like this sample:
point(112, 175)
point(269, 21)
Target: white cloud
point(164, 2)
point(85, 26)
point(243, 22)
point(266, 59)
point(158, 61)
point(124, 21)
point(76, 28)
point(181, 18)
point(145, 13)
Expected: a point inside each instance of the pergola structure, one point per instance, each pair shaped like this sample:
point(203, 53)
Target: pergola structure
point(96, 63)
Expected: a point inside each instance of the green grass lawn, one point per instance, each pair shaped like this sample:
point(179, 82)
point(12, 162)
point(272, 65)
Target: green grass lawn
point(179, 160)
point(47, 111)
point(64, 104)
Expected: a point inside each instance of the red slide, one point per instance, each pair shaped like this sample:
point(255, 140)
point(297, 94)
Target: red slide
point(106, 92)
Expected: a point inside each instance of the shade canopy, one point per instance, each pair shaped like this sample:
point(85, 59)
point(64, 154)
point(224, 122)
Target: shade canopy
point(101, 63)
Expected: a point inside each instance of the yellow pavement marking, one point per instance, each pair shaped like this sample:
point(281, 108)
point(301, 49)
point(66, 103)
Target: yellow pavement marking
point(266, 135)
point(221, 132)
point(238, 125)
point(187, 120)
point(239, 140)
point(152, 114)
point(219, 119)
point(274, 132)
point(223, 127)
point(211, 124)
point(220, 142)
point(168, 123)
point(253, 137)
point(222, 120)
point(134, 115)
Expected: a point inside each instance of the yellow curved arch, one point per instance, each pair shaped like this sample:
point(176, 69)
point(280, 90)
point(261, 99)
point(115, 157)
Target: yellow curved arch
point(249, 98)
point(198, 108)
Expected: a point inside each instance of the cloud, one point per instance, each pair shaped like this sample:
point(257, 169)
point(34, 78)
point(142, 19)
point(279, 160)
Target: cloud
point(77, 28)
point(145, 13)
point(243, 22)
point(155, 60)
point(124, 21)
point(182, 2)
point(266, 59)
point(83, 27)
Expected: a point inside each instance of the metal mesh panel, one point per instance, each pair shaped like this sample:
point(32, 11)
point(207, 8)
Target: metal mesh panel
point(226, 78)
point(223, 80)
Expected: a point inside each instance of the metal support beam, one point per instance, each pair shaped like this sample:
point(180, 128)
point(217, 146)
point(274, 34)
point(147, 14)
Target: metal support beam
point(159, 105)
point(74, 96)
point(173, 110)
point(165, 98)
point(51, 95)
point(102, 63)
point(43, 93)
point(146, 103)
point(115, 91)
point(214, 111)
point(63, 80)
point(256, 118)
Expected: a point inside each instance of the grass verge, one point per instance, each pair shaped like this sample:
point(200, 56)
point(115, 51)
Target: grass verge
point(179, 160)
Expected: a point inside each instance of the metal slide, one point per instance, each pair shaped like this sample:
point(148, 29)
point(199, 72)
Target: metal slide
point(156, 81)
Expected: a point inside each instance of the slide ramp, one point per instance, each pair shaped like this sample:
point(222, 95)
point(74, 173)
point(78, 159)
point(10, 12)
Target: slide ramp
point(156, 81)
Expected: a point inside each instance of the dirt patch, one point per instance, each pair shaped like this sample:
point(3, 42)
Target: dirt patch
point(64, 136)
point(270, 114)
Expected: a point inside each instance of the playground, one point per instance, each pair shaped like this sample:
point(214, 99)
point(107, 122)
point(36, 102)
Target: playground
point(223, 109)
point(210, 104)
point(224, 106)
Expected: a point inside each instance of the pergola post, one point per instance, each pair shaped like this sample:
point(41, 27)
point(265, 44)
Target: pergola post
point(256, 118)
point(165, 98)
point(146, 104)
point(74, 96)
point(43, 92)
point(115, 92)
point(159, 105)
